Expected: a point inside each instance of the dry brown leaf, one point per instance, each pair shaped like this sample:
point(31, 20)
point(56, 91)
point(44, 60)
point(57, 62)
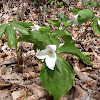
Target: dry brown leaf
point(18, 95)
point(5, 95)
point(3, 83)
point(13, 78)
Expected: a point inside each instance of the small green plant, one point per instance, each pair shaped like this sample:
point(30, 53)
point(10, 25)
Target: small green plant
point(81, 16)
point(91, 3)
point(11, 33)
point(56, 75)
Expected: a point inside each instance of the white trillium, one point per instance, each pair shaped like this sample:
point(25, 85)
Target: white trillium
point(35, 27)
point(99, 23)
point(73, 17)
point(49, 54)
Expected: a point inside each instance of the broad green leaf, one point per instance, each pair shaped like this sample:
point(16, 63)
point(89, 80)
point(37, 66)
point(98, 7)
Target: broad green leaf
point(58, 81)
point(2, 29)
point(72, 49)
point(54, 40)
point(25, 24)
point(45, 30)
point(64, 34)
point(39, 39)
point(11, 37)
point(55, 22)
point(96, 28)
point(93, 3)
point(84, 15)
point(20, 28)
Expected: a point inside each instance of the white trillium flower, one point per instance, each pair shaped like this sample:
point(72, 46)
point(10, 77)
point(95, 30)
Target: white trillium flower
point(49, 54)
point(73, 17)
point(35, 27)
point(99, 23)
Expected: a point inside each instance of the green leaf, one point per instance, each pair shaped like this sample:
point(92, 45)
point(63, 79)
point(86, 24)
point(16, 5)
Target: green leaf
point(64, 34)
point(54, 40)
point(61, 15)
point(39, 39)
point(58, 81)
point(35, 2)
point(25, 24)
point(96, 28)
point(20, 28)
point(11, 37)
point(84, 15)
point(75, 10)
point(54, 22)
point(48, 1)
point(72, 49)
point(65, 24)
point(2, 29)
point(93, 3)
point(65, 19)
point(45, 30)
point(36, 37)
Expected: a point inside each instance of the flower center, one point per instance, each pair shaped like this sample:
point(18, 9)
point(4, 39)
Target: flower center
point(50, 51)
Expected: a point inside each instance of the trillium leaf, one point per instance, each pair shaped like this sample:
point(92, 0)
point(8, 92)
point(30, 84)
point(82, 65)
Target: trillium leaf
point(45, 30)
point(35, 37)
point(96, 28)
point(84, 15)
point(54, 40)
point(72, 49)
point(2, 29)
point(39, 39)
point(64, 34)
point(59, 81)
point(20, 28)
point(55, 22)
point(25, 24)
point(11, 37)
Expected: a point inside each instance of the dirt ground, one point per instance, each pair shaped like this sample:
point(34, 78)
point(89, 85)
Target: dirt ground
point(25, 84)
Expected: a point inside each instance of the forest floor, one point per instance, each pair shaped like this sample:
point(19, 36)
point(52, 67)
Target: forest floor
point(26, 84)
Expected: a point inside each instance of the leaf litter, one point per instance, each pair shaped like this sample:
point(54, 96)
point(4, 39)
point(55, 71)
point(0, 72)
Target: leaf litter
point(26, 85)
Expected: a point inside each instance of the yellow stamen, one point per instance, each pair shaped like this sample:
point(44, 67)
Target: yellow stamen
point(50, 51)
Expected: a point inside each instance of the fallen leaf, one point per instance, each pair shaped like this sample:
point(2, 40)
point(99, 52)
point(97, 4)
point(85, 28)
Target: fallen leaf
point(5, 95)
point(17, 95)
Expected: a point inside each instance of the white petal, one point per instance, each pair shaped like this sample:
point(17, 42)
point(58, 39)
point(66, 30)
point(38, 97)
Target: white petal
point(42, 54)
point(99, 23)
point(73, 17)
point(51, 47)
point(50, 62)
point(35, 27)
